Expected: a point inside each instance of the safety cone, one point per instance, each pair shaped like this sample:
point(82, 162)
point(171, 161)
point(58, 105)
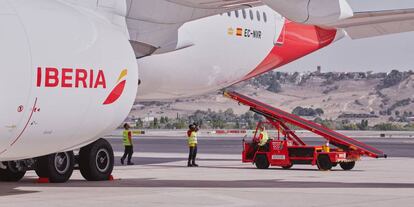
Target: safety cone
point(111, 178)
point(43, 180)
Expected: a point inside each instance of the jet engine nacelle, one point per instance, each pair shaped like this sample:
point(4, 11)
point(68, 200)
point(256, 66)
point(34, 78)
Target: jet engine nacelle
point(317, 12)
point(75, 77)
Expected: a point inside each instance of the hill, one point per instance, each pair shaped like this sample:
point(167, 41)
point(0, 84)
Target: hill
point(344, 97)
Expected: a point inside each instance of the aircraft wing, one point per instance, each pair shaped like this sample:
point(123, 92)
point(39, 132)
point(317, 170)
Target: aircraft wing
point(373, 19)
point(153, 24)
point(377, 23)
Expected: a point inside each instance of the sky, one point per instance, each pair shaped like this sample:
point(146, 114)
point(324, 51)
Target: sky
point(380, 54)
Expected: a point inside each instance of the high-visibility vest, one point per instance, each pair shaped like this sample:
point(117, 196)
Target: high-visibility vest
point(125, 139)
point(192, 139)
point(326, 147)
point(264, 139)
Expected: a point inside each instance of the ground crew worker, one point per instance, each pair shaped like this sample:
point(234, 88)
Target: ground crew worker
point(127, 141)
point(259, 141)
point(263, 137)
point(192, 144)
point(326, 147)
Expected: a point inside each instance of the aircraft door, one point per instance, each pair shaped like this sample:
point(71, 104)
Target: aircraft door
point(15, 78)
point(280, 31)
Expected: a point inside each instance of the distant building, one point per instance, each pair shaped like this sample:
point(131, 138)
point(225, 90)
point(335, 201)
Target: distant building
point(138, 107)
point(319, 69)
point(148, 119)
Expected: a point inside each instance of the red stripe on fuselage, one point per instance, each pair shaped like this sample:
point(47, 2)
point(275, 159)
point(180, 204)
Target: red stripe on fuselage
point(27, 123)
point(299, 40)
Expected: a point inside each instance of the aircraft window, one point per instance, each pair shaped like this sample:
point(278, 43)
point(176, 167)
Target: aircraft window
point(264, 17)
point(229, 14)
point(258, 16)
point(251, 14)
point(244, 13)
point(237, 13)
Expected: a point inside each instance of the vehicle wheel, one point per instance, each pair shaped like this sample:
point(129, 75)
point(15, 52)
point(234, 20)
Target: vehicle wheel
point(287, 166)
point(347, 165)
point(262, 162)
point(13, 173)
point(324, 163)
point(96, 161)
point(57, 167)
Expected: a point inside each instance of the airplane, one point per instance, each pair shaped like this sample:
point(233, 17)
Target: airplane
point(71, 68)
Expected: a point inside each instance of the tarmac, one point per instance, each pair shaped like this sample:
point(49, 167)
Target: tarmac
point(161, 178)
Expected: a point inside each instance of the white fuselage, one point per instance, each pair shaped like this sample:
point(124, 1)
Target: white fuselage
point(216, 58)
point(70, 74)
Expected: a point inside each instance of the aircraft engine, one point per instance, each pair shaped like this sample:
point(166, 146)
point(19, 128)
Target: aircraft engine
point(318, 12)
point(76, 77)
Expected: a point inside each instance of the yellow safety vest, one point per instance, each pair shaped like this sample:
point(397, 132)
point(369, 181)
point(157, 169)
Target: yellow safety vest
point(192, 139)
point(125, 138)
point(326, 147)
point(264, 139)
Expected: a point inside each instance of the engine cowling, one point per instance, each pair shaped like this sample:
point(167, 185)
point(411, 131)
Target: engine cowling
point(68, 77)
point(317, 12)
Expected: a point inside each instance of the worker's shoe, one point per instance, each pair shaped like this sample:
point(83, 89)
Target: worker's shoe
point(194, 165)
point(122, 161)
point(130, 163)
point(189, 165)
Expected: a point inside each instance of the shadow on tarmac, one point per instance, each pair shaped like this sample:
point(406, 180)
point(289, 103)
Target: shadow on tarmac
point(8, 189)
point(157, 160)
point(271, 168)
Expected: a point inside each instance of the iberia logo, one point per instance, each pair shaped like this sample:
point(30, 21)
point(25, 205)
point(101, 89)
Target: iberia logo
point(118, 89)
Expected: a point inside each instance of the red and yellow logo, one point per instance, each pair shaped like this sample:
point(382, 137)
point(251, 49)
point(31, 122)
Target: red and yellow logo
point(51, 77)
point(118, 89)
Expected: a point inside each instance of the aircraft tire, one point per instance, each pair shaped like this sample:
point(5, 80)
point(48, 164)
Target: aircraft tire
point(11, 174)
point(96, 161)
point(57, 167)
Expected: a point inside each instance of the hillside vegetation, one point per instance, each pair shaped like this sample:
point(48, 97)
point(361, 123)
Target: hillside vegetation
point(338, 100)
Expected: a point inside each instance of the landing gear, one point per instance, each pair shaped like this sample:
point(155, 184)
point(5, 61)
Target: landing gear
point(96, 161)
point(14, 172)
point(56, 167)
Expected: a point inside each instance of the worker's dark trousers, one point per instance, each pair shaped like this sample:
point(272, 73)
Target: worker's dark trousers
point(129, 150)
point(192, 155)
